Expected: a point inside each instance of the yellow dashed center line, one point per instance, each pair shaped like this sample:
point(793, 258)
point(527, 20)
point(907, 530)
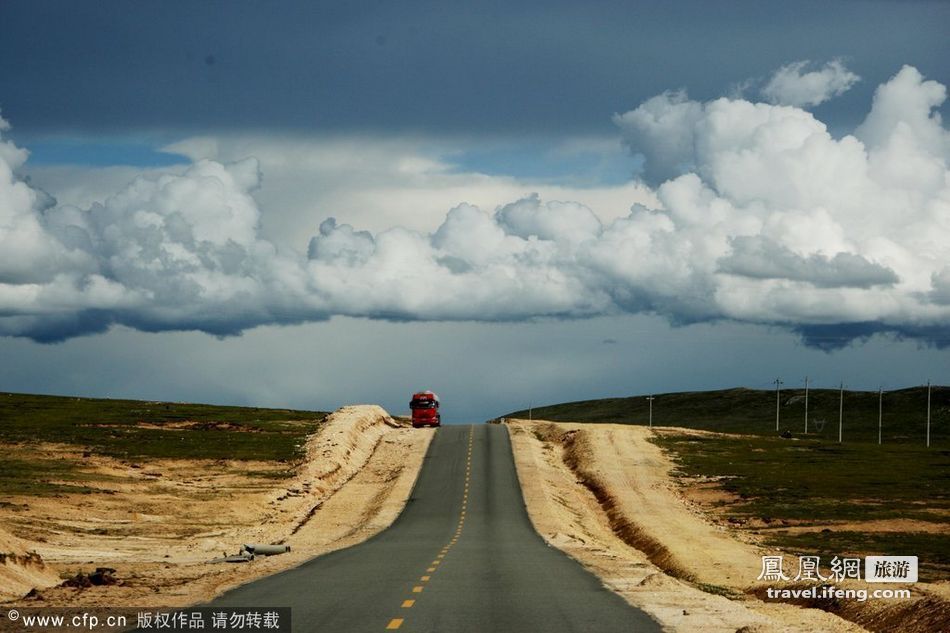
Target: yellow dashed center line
point(395, 623)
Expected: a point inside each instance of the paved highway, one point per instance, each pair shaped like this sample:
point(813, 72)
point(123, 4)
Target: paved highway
point(462, 557)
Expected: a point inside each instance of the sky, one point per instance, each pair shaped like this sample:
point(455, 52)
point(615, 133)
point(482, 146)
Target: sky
point(512, 204)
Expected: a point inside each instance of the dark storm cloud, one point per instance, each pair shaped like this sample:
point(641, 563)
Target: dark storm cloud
point(488, 67)
point(833, 337)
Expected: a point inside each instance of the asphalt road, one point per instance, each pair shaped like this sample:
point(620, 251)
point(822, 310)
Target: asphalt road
point(462, 557)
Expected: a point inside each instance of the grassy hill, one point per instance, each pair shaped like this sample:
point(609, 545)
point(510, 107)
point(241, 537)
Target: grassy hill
point(131, 429)
point(778, 483)
point(753, 411)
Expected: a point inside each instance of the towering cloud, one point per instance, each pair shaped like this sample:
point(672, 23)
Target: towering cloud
point(763, 216)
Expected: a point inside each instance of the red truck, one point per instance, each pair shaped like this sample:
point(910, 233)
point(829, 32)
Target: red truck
point(425, 409)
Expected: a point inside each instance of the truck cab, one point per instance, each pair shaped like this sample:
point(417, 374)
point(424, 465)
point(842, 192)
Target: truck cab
point(425, 409)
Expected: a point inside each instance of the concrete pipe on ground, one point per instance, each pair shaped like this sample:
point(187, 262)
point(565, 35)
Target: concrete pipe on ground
point(259, 549)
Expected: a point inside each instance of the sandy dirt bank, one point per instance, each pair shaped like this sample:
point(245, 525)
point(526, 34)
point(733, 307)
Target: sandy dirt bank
point(160, 522)
point(604, 495)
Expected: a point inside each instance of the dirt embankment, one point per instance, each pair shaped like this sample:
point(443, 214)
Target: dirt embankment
point(159, 523)
point(21, 568)
point(603, 495)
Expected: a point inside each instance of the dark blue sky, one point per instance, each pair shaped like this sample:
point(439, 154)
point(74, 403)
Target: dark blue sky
point(167, 68)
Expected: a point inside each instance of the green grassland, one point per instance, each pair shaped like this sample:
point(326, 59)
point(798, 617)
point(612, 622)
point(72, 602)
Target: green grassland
point(808, 479)
point(137, 430)
point(814, 482)
point(753, 411)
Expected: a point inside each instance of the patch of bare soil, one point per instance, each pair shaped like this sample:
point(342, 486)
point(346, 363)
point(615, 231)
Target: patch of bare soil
point(159, 524)
point(603, 495)
point(22, 569)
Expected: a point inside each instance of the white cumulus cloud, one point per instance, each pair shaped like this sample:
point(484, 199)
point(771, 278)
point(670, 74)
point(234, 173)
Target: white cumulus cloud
point(758, 214)
point(793, 85)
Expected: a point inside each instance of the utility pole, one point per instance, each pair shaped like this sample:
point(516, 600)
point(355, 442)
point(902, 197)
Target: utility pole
point(840, 412)
point(778, 384)
point(806, 405)
point(928, 414)
point(880, 413)
point(651, 399)
point(529, 411)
